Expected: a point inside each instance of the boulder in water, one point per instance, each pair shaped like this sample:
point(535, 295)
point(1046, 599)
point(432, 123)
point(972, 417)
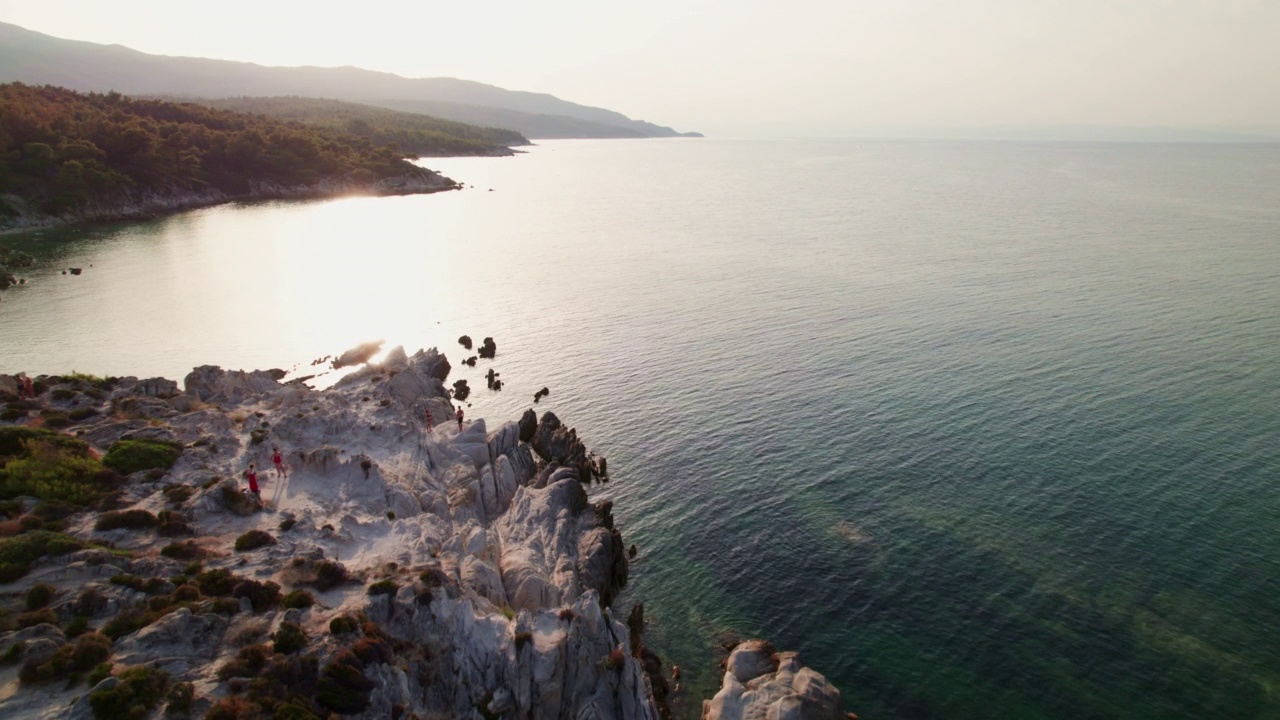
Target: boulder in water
point(461, 390)
point(489, 349)
point(465, 341)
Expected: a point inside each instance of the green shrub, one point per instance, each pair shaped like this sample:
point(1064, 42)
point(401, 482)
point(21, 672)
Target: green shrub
point(37, 617)
point(132, 519)
point(343, 625)
point(154, 585)
point(287, 524)
point(292, 710)
point(181, 696)
point(76, 626)
point(226, 606)
point(39, 595)
point(88, 651)
point(234, 708)
point(288, 639)
point(299, 599)
point(330, 574)
point(373, 650)
point(174, 528)
point(130, 621)
point(129, 580)
point(384, 587)
point(55, 471)
point(83, 413)
point(16, 442)
point(186, 550)
point(217, 583)
point(55, 419)
point(253, 540)
point(130, 456)
point(18, 553)
point(263, 596)
point(178, 494)
point(85, 380)
point(13, 654)
point(89, 602)
point(133, 698)
point(186, 593)
point(247, 663)
point(99, 673)
point(343, 688)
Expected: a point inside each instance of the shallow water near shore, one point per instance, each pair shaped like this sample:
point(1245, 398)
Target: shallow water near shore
point(981, 429)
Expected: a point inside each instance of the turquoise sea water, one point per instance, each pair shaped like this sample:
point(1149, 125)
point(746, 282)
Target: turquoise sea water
point(981, 429)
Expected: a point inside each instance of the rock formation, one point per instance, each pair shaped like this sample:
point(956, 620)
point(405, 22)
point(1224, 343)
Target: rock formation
point(762, 683)
point(393, 572)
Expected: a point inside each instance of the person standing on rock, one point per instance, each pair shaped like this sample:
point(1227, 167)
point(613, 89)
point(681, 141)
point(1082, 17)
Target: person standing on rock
point(459, 418)
point(253, 482)
point(430, 421)
point(278, 460)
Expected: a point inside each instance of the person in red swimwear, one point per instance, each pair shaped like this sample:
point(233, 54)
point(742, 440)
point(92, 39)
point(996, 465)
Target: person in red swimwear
point(253, 482)
point(278, 459)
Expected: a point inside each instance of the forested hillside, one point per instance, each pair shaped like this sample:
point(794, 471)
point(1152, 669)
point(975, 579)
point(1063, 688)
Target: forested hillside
point(414, 133)
point(60, 149)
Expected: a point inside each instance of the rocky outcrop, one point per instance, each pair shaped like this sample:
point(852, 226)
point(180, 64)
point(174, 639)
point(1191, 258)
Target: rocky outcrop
point(528, 425)
point(473, 570)
point(558, 444)
point(496, 574)
point(761, 683)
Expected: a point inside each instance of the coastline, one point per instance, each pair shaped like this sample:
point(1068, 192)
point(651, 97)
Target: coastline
point(149, 205)
point(482, 570)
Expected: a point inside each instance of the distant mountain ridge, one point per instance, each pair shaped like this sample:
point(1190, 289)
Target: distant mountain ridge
point(35, 58)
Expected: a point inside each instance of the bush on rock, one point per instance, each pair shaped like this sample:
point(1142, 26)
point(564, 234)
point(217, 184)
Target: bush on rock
point(130, 456)
point(253, 540)
point(132, 519)
point(140, 689)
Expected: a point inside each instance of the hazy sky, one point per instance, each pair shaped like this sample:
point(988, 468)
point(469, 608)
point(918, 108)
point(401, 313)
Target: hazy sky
point(744, 66)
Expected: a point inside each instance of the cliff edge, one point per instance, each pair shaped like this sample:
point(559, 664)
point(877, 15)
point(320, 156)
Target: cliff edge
point(392, 568)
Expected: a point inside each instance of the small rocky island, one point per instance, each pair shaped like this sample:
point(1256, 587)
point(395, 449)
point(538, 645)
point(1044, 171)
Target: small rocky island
point(390, 571)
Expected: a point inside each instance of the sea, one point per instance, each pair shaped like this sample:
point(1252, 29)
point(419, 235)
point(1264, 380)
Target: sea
point(980, 429)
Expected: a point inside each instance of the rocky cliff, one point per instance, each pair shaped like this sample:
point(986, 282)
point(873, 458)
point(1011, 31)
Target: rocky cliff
point(390, 572)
